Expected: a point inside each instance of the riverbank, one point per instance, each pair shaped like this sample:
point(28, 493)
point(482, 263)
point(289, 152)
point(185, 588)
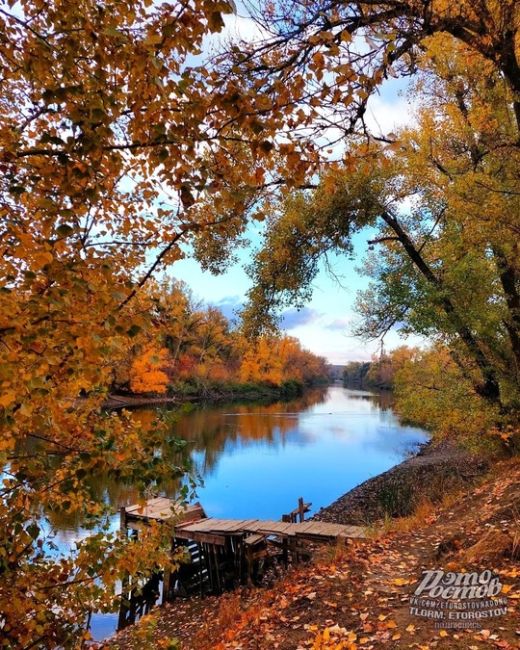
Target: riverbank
point(437, 469)
point(211, 393)
point(358, 596)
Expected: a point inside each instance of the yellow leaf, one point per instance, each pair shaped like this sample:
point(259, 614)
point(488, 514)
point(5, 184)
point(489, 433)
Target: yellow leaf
point(7, 398)
point(41, 259)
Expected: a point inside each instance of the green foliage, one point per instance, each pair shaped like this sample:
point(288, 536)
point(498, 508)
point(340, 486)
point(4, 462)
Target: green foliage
point(303, 230)
point(435, 392)
point(291, 388)
point(445, 265)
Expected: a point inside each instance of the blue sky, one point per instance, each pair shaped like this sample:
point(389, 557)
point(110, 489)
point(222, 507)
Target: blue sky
point(324, 324)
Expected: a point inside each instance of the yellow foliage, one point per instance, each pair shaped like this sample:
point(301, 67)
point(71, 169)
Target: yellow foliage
point(273, 360)
point(433, 391)
point(147, 374)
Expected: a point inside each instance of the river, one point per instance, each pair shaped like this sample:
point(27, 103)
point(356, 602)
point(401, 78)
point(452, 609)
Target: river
point(254, 460)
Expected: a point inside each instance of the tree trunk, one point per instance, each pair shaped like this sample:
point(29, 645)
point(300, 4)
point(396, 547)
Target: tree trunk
point(510, 281)
point(490, 388)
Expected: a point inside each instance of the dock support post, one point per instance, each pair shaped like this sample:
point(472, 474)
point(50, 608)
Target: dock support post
point(122, 519)
point(201, 576)
point(168, 577)
point(125, 580)
point(167, 585)
point(217, 569)
point(301, 509)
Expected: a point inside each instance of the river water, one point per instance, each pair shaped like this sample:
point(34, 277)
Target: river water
point(255, 460)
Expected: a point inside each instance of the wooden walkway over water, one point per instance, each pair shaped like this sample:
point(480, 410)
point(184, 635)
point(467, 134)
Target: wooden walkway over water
point(191, 523)
point(224, 553)
point(218, 529)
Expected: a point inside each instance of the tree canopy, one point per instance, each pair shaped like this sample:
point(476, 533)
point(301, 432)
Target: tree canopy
point(443, 198)
point(121, 144)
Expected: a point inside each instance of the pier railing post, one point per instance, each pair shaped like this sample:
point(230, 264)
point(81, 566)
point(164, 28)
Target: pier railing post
point(301, 509)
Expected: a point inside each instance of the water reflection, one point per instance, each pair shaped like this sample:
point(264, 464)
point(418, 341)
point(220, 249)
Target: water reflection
point(255, 460)
point(214, 431)
point(209, 433)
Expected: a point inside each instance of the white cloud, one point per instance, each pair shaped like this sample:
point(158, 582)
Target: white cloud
point(385, 116)
point(236, 29)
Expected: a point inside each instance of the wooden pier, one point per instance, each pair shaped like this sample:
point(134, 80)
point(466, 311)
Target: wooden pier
point(224, 552)
point(219, 529)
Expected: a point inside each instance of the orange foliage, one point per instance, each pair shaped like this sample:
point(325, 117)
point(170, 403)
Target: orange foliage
point(147, 372)
point(261, 363)
point(195, 344)
point(274, 360)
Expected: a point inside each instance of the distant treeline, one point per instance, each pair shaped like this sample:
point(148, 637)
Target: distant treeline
point(379, 373)
point(194, 350)
point(355, 374)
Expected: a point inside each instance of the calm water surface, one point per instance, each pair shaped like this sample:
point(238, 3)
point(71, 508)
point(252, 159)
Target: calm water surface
point(255, 460)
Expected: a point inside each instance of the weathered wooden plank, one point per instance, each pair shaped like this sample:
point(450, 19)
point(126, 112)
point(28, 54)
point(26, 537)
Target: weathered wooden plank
point(162, 514)
point(201, 525)
point(243, 525)
point(140, 507)
point(327, 530)
point(162, 508)
point(304, 526)
point(255, 538)
point(221, 525)
point(229, 526)
point(249, 525)
point(203, 538)
point(192, 519)
point(276, 527)
point(318, 528)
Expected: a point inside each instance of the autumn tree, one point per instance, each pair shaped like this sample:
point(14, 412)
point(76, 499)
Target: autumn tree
point(192, 346)
point(109, 130)
point(383, 369)
point(147, 373)
point(433, 390)
point(261, 363)
point(275, 359)
point(118, 146)
point(306, 84)
point(448, 266)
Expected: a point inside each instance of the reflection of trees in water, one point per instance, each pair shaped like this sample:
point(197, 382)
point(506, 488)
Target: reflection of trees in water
point(385, 399)
point(213, 430)
point(382, 400)
point(210, 430)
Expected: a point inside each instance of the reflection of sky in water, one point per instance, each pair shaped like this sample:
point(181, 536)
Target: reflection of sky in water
point(257, 460)
point(319, 454)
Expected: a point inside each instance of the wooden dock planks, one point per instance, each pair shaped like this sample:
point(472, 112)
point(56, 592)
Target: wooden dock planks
point(163, 509)
point(308, 529)
point(194, 525)
point(226, 552)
